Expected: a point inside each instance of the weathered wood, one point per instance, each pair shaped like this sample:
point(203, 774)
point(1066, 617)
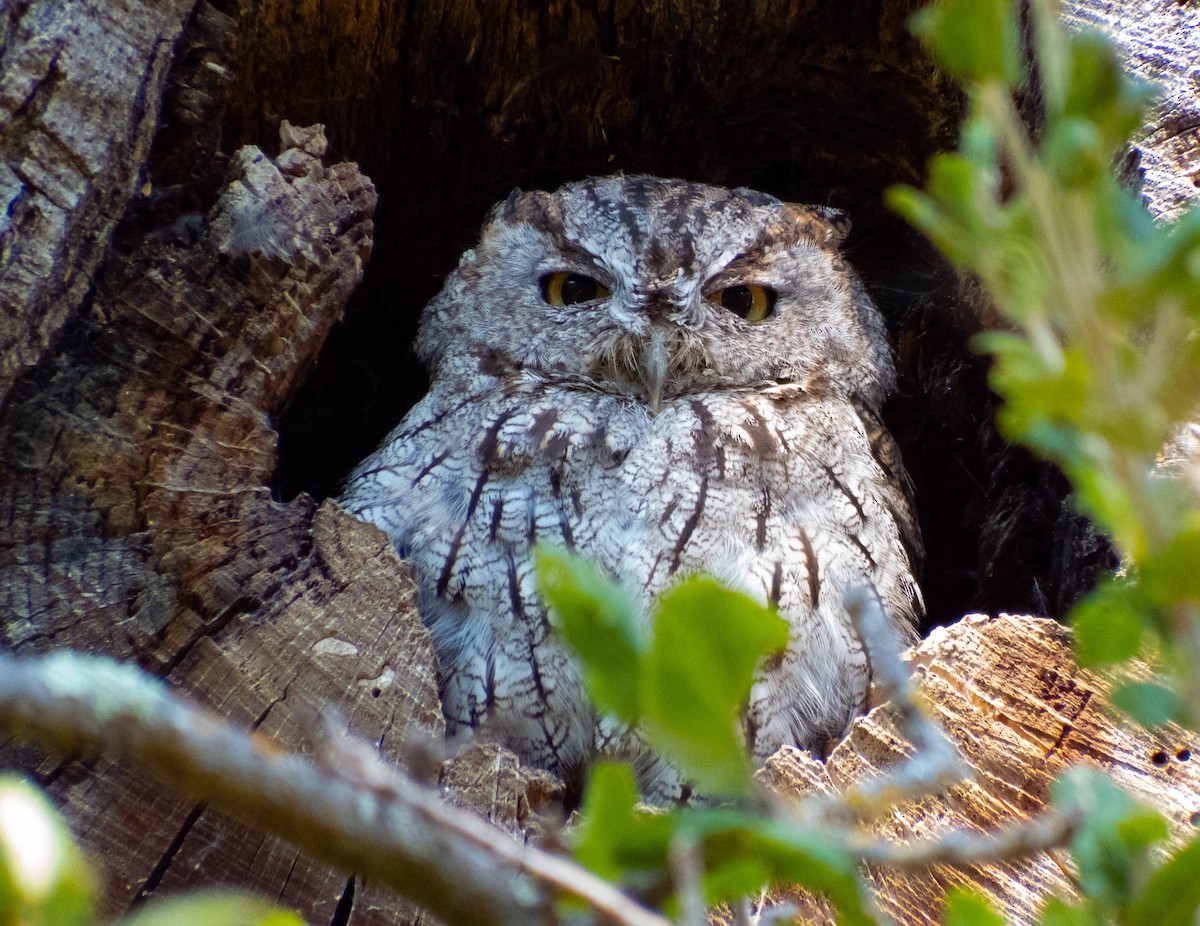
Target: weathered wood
point(134, 482)
point(1008, 693)
point(1160, 42)
point(80, 88)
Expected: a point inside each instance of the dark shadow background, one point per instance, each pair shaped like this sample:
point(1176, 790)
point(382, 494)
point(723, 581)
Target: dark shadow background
point(449, 106)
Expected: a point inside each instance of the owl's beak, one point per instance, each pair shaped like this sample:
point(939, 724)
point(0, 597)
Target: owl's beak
point(654, 368)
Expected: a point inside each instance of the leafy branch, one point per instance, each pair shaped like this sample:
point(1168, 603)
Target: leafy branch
point(694, 857)
point(1102, 366)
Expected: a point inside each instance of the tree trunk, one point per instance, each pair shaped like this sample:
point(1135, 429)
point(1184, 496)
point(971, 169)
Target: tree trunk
point(171, 273)
point(1007, 691)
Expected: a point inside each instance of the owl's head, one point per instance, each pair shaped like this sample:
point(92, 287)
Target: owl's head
point(661, 288)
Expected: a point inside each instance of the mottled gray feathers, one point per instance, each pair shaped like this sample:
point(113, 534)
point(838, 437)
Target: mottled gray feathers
point(661, 427)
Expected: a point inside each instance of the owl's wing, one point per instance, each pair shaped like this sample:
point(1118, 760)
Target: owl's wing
point(478, 473)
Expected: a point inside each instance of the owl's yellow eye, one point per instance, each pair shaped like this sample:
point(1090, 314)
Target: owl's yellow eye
point(564, 288)
point(751, 302)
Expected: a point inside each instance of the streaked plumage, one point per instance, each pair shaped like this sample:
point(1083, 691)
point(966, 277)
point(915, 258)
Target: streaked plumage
point(660, 433)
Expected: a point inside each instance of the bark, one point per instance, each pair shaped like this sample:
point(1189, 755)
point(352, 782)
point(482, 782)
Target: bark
point(175, 256)
point(136, 464)
point(76, 121)
point(1007, 691)
point(1160, 43)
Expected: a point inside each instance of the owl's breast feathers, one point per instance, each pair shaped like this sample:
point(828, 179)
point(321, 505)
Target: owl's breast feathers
point(790, 494)
point(758, 485)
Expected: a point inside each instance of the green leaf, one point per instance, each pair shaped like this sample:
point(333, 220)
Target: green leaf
point(743, 854)
point(616, 840)
point(598, 619)
point(1071, 149)
point(1101, 360)
point(1101, 495)
point(1101, 93)
point(1039, 390)
point(1059, 913)
point(1172, 895)
point(44, 880)
point(1170, 574)
point(1108, 624)
point(1149, 704)
point(972, 39)
point(960, 212)
point(1111, 847)
point(696, 678)
point(213, 908)
point(969, 908)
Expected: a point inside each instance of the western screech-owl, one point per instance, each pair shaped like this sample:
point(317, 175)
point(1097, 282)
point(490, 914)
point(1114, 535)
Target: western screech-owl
point(670, 378)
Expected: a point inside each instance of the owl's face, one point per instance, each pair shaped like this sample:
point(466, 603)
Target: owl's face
point(655, 289)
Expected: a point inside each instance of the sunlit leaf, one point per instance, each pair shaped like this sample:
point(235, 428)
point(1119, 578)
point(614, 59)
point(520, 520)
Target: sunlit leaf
point(968, 908)
point(1108, 624)
point(615, 839)
point(213, 907)
point(696, 678)
point(1149, 704)
point(1100, 92)
point(1059, 913)
point(1111, 846)
point(1171, 574)
point(743, 854)
point(44, 880)
point(598, 618)
point(1172, 894)
point(973, 39)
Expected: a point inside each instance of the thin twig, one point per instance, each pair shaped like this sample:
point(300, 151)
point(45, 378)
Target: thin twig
point(742, 912)
point(390, 830)
point(1049, 830)
point(687, 871)
point(934, 764)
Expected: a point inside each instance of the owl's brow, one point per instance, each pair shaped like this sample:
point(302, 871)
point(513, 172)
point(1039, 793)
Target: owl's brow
point(751, 257)
point(789, 233)
point(573, 251)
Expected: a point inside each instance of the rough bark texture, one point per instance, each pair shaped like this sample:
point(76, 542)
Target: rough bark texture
point(79, 92)
point(1007, 691)
point(164, 291)
point(135, 470)
point(1160, 43)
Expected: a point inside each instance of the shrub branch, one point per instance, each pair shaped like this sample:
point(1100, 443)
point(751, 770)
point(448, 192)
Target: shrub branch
point(374, 821)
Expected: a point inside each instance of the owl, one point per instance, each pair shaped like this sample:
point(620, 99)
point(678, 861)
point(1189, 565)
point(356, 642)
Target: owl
point(669, 378)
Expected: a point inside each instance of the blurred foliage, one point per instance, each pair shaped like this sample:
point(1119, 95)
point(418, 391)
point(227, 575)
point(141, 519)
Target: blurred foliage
point(740, 851)
point(684, 679)
point(1101, 368)
point(740, 846)
point(45, 881)
point(1102, 364)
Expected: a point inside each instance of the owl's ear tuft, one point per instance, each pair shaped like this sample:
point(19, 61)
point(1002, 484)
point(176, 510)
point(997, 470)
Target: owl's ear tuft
point(509, 209)
point(826, 225)
point(532, 207)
